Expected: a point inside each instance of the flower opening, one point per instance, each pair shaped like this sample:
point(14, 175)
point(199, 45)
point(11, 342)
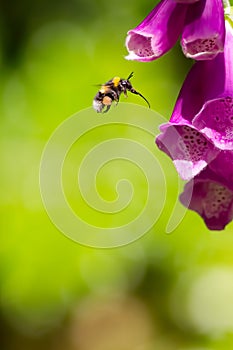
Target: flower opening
point(211, 198)
point(157, 33)
point(204, 30)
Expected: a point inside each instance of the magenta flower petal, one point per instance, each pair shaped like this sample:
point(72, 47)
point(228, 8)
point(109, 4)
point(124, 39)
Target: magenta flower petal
point(186, 1)
point(211, 198)
point(157, 33)
point(187, 147)
point(193, 93)
point(206, 81)
point(205, 106)
point(215, 119)
point(216, 122)
point(222, 165)
point(204, 30)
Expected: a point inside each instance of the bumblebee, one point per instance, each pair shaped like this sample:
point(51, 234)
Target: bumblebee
point(111, 91)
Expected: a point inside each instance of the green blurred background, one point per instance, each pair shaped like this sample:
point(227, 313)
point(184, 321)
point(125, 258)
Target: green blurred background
point(161, 292)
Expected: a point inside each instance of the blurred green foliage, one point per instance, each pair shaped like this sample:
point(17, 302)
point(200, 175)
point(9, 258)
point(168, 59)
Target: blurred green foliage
point(54, 293)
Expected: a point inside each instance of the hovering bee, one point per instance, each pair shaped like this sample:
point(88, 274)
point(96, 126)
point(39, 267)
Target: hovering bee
point(111, 91)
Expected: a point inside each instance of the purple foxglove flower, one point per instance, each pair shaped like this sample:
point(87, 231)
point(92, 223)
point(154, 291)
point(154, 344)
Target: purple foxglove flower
point(190, 155)
point(215, 119)
point(157, 33)
point(210, 193)
point(204, 30)
point(205, 105)
point(186, 1)
point(188, 148)
point(222, 165)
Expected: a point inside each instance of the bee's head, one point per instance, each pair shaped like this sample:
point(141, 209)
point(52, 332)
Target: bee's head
point(126, 85)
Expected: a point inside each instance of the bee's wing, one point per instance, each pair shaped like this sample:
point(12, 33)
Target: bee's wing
point(107, 85)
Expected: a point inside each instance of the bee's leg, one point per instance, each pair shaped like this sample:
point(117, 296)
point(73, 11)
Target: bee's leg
point(106, 109)
point(115, 96)
point(107, 102)
point(124, 90)
point(111, 97)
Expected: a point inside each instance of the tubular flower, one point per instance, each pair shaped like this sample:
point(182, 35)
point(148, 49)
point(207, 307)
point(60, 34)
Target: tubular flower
point(210, 193)
point(157, 33)
point(188, 148)
point(201, 21)
point(215, 119)
point(186, 1)
point(204, 30)
point(204, 110)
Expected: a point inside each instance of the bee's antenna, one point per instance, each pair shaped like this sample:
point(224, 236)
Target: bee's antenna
point(130, 76)
point(138, 93)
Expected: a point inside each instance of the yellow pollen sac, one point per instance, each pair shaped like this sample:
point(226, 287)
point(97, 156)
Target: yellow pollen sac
point(107, 101)
point(116, 81)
